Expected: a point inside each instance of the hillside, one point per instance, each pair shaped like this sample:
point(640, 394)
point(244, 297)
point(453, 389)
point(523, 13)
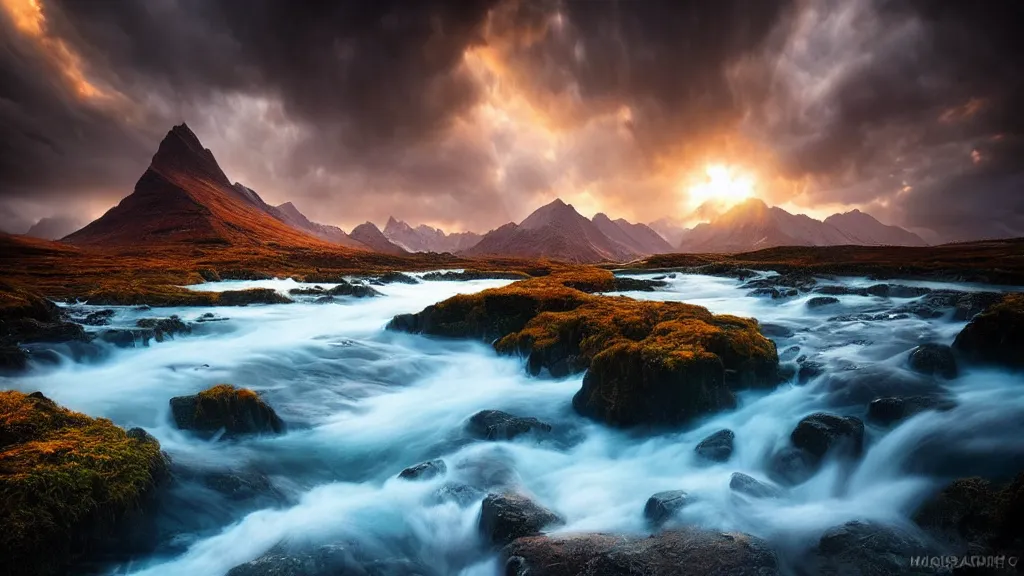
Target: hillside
point(369, 235)
point(290, 215)
point(863, 229)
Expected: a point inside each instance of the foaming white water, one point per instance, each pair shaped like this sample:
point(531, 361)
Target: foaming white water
point(362, 404)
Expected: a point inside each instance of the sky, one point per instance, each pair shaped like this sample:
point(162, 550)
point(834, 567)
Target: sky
point(467, 115)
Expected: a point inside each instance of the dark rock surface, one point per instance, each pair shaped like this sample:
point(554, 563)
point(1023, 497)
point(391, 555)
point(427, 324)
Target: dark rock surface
point(717, 447)
point(995, 336)
point(424, 470)
point(330, 560)
point(751, 486)
point(934, 359)
point(236, 411)
point(498, 425)
point(819, 301)
point(820, 433)
point(662, 506)
point(870, 549)
point(670, 553)
point(507, 516)
point(892, 409)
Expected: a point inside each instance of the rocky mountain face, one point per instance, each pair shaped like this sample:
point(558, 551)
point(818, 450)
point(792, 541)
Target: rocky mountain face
point(753, 225)
point(184, 198)
point(865, 230)
point(639, 238)
point(555, 231)
point(368, 234)
point(291, 216)
point(425, 238)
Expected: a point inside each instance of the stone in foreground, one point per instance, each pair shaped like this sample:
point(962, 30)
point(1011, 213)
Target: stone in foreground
point(717, 447)
point(236, 411)
point(820, 433)
point(498, 425)
point(996, 336)
point(505, 517)
point(662, 506)
point(669, 553)
point(424, 470)
point(72, 486)
point(868, 549)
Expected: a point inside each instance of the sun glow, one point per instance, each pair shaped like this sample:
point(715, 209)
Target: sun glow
point(722, 186)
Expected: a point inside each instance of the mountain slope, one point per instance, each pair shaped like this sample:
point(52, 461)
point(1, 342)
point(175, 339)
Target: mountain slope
point(368, 234)
point(554, 231)
point(426, 238)
point(53, 228)
point(184, 198)
point(864, 229)
point(291, 216)
point(753, 225)
point(637, 237)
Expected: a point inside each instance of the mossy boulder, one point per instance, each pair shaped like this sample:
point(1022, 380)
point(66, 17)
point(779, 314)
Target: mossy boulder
point(236, 411)
point(647, 362)
point(27, 318)
point(70, 485)
point(996, 336)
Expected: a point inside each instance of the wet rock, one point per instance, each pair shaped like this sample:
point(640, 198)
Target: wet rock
point(820, 433)
point(491, 471)
point(127, 337)
point(498, 425)
point(251, 296)
point(892, 409)
point(164, 328)
point(236, 411)
point(819, 301)
point(507, 516)
point(662, 506)
point(791, 466)
point(396, 278)
point(716, 447)
point(973, 516)
point(668, 553)
point(241, 486)
point(791, 280)
point(13, 359)
point(466, 275)
point(461, 494)
point(996, 336)
point(934, 359)
point(625, 284)
point(30, 330)
point(869, 549)
point(424, 470)
point(859, 386)
point(775, 330)
point(209, 317)
point(960, 305)
point(808, 371)
point(329, 560)
point(343, 288)
point(751, 486)
point(789, 353)
point(774, 293)
point(74, 488)
point(98, 318)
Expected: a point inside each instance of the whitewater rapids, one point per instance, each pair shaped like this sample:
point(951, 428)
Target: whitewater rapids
point(362, 404)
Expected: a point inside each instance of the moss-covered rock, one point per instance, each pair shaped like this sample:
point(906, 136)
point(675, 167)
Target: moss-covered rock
point(250, 296)
point(647, 362)
point(236, 411)
point(995, 336)
point(68, 482)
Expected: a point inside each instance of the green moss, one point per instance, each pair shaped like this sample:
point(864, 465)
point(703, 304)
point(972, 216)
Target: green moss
point(66, 480)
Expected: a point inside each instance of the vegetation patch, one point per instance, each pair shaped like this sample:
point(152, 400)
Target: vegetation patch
point(647, 362)
point(67, 481)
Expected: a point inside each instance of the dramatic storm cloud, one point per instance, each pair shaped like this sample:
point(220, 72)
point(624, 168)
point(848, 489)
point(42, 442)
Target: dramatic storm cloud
point(470, 114)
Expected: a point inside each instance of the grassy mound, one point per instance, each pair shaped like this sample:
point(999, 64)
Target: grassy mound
point(67, 481)
point(648, 362)
point(996, 335)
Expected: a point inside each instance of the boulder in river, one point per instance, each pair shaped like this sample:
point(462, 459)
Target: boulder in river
point(662, 506)
point(424, 470)
point(974, 516)
point(73, 486)
point(934, 359)
point(236, 411)
point(330, 560)
point(510, 515)
point(869, 549)
point(498, 425)
point(819, 301)
point(996, 336)
point(744, 484)
point(791, 466)
point(717, 447)
point(251, 296)
point(820, 433)
point(163, 328)
point(668, 553)
point(892, 409)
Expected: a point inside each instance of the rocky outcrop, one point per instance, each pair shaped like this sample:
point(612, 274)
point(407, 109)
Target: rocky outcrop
point(164, 328)
point(329, 560)
point(498, 425)
point(27, 319)
point(933, 359)
point(662, 506)
point(717, 447)
point(974, 516)
point(668, 553)
point(996, 336)
point(236, 411)
point(744, 484)
point(343, 288)
point(250, 296)
point(424, 470)
point(819, 301)
point(867, 548)
point(72, 486)
point(507, 516)
point(467, 275)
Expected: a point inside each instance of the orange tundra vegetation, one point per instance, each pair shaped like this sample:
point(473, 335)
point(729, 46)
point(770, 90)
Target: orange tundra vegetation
point(647, 362)
point(67, 481)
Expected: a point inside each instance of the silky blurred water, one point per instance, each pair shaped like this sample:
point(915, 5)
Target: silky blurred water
point(363, 403)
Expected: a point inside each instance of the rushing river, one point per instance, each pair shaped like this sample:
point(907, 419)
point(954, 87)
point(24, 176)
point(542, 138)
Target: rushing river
point(362, 404)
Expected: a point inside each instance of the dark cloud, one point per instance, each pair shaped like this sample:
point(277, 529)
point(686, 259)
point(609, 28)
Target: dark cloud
point(358, 110)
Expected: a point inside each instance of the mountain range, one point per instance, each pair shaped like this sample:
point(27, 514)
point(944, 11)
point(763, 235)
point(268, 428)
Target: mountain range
point(184, 198)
